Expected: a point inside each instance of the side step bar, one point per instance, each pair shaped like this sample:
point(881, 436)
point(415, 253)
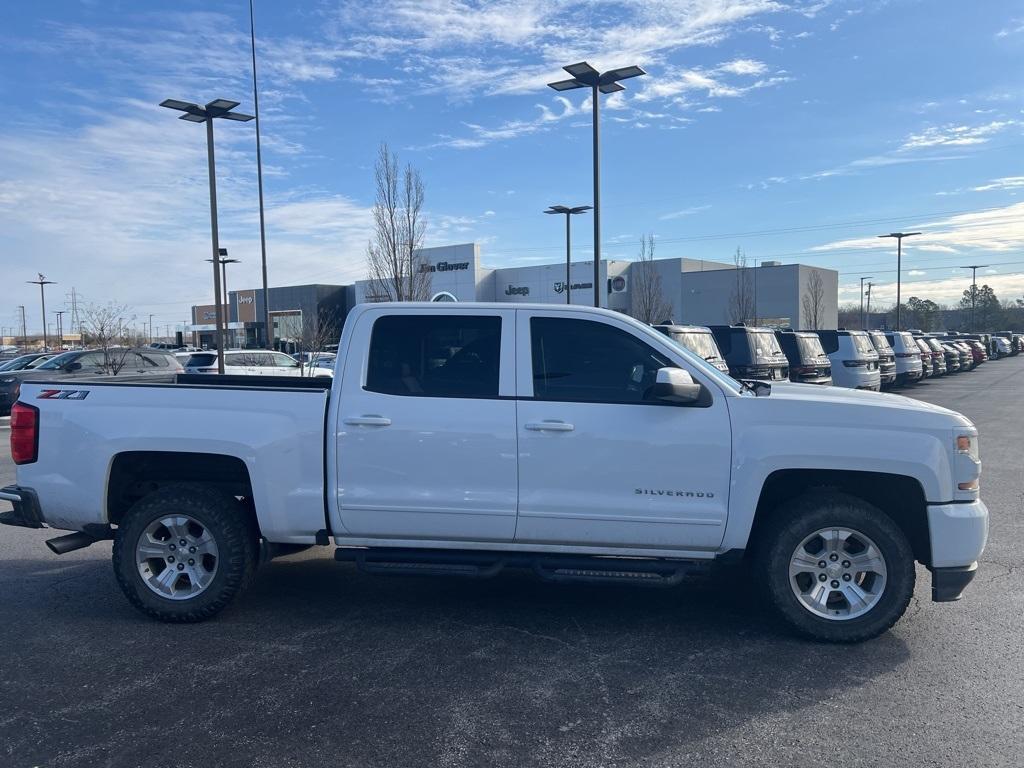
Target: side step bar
point(481, 564)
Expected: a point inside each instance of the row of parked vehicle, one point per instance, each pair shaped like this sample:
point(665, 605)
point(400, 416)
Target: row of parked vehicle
point(869, 360)
point(156, 360)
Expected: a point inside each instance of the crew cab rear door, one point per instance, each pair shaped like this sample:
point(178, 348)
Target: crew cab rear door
point(426, 429)
point(602, 464)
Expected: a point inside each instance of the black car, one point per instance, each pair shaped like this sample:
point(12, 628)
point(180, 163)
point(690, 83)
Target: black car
point(886, 358)
point(698, 340)
point(808, 363)
point(20, 363)
point(751, 353)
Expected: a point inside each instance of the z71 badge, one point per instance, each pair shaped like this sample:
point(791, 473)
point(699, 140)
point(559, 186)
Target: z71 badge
point(63, 394)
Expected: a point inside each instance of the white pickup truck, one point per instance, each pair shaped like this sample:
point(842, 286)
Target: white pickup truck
point(466, 438)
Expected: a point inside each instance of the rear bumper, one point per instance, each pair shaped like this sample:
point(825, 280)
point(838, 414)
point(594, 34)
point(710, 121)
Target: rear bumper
point(26, 512)
point(948, 584)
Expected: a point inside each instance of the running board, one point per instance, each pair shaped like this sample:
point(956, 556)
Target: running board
point(481, 564)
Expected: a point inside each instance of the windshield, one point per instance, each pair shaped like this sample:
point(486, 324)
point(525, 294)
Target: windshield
point(810, 347)
point(55, 363)
point(702, 344)
point(765, 345)
point(863, 344)
point(881, 343)
point(12, 364)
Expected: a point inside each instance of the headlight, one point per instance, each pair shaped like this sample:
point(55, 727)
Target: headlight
point(967, 444)
point(8, 381)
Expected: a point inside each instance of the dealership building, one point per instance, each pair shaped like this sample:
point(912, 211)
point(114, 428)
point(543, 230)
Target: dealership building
point(698, 292)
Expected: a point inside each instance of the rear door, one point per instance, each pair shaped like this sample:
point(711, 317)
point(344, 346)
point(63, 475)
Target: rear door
point(426, 430)
point(602, 464)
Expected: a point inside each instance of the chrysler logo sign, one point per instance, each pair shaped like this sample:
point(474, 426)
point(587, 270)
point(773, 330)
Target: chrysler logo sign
point(560, 286)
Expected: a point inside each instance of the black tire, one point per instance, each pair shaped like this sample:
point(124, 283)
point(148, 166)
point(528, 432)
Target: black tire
point(792, 522)
point(232, 528)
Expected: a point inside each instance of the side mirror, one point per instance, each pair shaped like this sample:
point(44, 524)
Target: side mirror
point(74, 365)
point(674, 385)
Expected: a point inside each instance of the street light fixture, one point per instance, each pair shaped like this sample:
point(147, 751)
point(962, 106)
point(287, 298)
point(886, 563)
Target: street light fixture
point(42, 281)
point(863, 326)
point(899, 266)
point(974, 289)
point(568, 213)
point(218, 108)
point(585, 76)
point(224, 261)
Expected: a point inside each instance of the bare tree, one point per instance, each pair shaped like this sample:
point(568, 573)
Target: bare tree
point(396, 267)
point(813, 302)
point(107, 328)
point(317, 332)
point(648, 303)
point(741, 301)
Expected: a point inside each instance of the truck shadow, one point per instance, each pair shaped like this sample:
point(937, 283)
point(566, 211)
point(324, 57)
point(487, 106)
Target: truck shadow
point(429, 671)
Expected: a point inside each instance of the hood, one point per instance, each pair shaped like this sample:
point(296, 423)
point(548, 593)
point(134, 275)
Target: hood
point(880, 404)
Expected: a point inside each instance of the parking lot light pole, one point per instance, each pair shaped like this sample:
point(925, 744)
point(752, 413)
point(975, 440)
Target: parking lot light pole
point(41, 282)
point(585, 76)
point(569, 213)
point(224, 261)
point(60, 328)
point(862, 325)
point(218, 108)
point(974, 289)
point(899, 266)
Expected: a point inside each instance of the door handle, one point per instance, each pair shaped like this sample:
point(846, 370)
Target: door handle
point(549, 426)
point(368, 421)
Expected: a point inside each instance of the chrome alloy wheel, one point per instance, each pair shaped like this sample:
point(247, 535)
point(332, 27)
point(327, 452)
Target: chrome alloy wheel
point(177, 557)
point(837, 573)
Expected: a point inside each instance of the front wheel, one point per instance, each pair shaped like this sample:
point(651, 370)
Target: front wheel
point(836, 568)
point(183, 552)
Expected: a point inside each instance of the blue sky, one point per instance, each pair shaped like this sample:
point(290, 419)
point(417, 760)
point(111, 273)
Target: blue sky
point(795, 130)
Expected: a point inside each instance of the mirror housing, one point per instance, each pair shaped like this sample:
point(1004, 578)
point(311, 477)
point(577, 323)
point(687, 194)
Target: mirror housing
point(674, 385)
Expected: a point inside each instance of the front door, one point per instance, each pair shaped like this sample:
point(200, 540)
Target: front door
point(600, 462)
point(426, 434)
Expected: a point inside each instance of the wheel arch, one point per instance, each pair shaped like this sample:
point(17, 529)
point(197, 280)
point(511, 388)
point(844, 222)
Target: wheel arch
point(135, 474)
point(900, 497)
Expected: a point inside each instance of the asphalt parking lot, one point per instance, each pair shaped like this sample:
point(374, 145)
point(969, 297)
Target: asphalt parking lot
point(321, 665)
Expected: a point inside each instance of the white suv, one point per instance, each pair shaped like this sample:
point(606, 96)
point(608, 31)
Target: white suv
point(908, 357)
point(854, 359)
point(250, 362)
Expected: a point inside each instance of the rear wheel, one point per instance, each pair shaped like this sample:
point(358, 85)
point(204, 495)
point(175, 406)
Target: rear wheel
point(836, 568)
point(182, 553)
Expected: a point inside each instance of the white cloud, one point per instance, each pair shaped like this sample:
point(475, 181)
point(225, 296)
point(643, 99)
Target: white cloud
point(1006, 182)
point(744, 67)
point(955, 135)
point(1015, 27)
point(916, 272)
point(684, 212)
point(995, 230)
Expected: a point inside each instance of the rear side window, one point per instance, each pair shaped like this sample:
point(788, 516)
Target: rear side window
point(588, 361)
point(155, 360)
point(862, 343)
point(203, 361)
point(810, 347)
point(435, 355)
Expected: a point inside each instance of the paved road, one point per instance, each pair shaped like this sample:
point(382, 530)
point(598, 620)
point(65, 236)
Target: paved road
point(320, 665)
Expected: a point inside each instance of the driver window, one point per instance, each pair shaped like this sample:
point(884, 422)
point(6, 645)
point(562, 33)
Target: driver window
point(589, 361)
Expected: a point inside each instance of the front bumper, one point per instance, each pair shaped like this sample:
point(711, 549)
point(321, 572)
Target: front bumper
point(948, 584)
point(26, 512)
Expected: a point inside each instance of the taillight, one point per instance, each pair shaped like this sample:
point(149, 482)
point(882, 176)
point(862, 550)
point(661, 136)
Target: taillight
point(855, 363)
point(24, 433)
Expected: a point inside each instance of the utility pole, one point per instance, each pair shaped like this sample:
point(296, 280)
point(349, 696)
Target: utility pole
point(899, 266)
point(41, 282)
point(867, 318)
point(974, 289)
point(60, 328)
point(862, 325)
point(24, 332)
